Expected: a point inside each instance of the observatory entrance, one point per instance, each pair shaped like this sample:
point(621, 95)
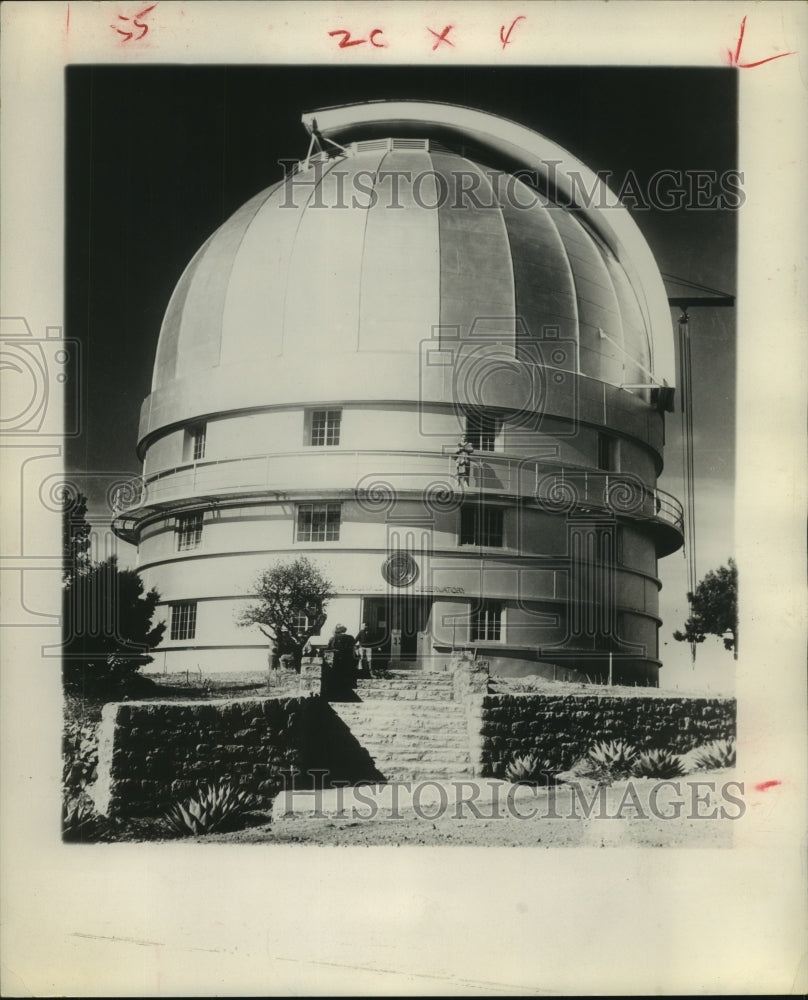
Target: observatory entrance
point(395, 621)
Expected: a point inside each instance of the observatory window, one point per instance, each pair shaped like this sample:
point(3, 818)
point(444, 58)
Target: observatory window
point(324, 427)
point(608, 453)
point(481, 526)
point(183, 620)
point(198, 438)
point(318, 522)
point(303, 623)
point(189, 531)
point(482, 430)
point(486, 622)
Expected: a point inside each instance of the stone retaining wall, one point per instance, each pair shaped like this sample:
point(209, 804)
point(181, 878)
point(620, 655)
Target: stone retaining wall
point(562, 728)
point(153, 753)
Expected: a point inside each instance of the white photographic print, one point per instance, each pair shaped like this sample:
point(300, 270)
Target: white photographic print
point(401, 470)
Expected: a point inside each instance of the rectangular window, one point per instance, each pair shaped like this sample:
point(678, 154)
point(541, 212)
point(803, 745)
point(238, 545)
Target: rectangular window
point(486, 622)
point(318, 522)
point(189, 531)
point(303, 623)
point(481, 526)
point(481, 430)
point(183, 620)
point(199, 435)
point(607, 453)
point(325, 426)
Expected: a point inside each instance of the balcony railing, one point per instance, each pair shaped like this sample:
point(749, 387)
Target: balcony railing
point(556, 488)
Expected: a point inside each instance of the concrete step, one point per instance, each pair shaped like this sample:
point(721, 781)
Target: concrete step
point(413, 670)
point(431, 770)
point(421, 676)
point(418, 739)
point(383, 762)
point(422, 738)
point(410, 740)
point(407, 682)
point(428, 735)
point(373, 683)
point(364, 730)
point(397, 706)
point(414, 724)
point(402, 710)
point(425, 680)
point(401, 694)
point(372, 741)
point(399, 755)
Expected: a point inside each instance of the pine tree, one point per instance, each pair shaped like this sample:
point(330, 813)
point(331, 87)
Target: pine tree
point(714, 609)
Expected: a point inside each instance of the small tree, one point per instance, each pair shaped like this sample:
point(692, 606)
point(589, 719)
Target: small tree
point(285, 594)
point(108, 633)
point(714, 609)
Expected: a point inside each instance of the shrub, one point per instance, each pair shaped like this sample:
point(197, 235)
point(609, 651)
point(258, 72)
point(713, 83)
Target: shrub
point(80, 822)
point(605, 762)
point(657, 764)
point(525, 685)
point(719, 753)
point(104, 662)
point(215, 807)
point(527, 769)
point(616, 756)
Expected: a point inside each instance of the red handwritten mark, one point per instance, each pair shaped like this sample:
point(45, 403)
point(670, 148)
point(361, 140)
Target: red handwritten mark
point(136, 22)
point(442, 37)
point(67, 23)
point(373, 42)
point(735, 57)
point(346, 41)
point(764, 785)
point(505, 36)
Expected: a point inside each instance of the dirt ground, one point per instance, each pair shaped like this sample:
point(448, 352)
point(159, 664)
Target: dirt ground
point(623, 817)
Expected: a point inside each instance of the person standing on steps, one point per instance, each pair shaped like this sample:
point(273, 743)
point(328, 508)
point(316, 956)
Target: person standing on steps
point(341, 674)
point(364, 645)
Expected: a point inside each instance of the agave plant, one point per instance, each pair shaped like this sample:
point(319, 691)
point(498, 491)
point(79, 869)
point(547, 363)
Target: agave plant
point(657, 764)
point(528, 769)
point(719, 753)
point(212, 808)
point(617, 755)
point(80, 822)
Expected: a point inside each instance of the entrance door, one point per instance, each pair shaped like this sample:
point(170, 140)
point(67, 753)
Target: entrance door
point(400, 614)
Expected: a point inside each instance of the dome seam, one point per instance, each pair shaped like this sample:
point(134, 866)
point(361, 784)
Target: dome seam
point(315, 187)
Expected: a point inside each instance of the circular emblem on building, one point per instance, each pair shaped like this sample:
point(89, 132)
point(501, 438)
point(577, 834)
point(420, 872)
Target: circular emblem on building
point(400, 569)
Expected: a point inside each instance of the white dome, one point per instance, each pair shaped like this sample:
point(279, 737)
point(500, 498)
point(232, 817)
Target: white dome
point(339, 272)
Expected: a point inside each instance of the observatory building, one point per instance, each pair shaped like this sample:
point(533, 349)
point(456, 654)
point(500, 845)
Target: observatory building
point(427, 272)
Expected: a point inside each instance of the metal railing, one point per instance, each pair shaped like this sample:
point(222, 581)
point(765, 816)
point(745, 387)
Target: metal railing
point(556, 487)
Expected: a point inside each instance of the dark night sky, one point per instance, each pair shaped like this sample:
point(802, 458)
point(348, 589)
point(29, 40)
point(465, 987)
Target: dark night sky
point(159, 156)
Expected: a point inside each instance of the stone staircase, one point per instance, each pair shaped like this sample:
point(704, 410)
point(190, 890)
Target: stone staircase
point(410, 725)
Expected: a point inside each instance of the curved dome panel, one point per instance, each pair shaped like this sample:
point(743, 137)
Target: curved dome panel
point(354, 261)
